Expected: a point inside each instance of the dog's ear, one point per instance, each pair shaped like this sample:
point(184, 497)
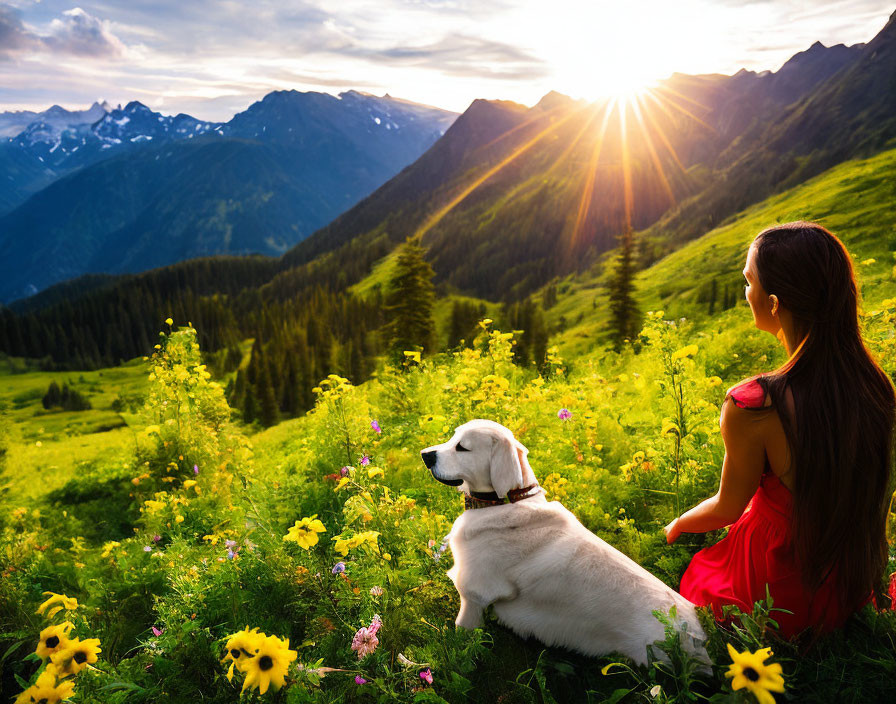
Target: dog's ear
point(523, 454)
point(506, 471)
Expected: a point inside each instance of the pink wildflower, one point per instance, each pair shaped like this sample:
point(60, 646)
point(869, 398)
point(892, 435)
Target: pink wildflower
point(360, 680)
point(564, 414)
point(365, 460)
point(365, 640)
point(157, 632)
point(376, 426)
point(426, 676)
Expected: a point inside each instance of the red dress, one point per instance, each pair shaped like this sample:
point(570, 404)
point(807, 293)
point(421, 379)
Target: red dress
point(757, 550)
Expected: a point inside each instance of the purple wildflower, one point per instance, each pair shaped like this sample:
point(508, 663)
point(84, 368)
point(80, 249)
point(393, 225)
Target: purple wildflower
point(365, 460)
point(564, 414)
point(157, 631)
point(195, 469)
point(229, 543)
point(230, 554)
point(360, 680)
point(426, 676)
point(147, 548)
point(338, 568)
point(344, 471)
point(376, 426)
point(156, 538)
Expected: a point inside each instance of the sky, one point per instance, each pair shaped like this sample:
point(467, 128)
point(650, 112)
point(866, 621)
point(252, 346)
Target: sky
point(212, 59)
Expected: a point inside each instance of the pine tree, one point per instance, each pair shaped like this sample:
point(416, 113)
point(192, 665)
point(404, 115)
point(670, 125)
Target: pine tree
point(53, 397)
point(624, 314)
point(410, 301)
point(250, 405)
point(268, 413)
point(455, 331)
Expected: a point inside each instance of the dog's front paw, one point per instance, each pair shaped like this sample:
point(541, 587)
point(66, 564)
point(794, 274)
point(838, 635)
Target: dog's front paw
point(468, 617)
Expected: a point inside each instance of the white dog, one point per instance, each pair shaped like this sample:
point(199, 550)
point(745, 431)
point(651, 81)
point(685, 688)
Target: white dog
point(546, 574)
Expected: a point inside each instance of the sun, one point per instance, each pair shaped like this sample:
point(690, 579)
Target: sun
point(596, 49)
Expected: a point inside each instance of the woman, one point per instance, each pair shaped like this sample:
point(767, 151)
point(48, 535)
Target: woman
point(808, 445)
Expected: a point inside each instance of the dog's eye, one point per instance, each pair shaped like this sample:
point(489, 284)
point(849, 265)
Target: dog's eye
point(460, 448)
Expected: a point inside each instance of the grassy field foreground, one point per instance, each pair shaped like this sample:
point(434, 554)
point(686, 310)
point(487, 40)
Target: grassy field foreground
point(326, 531)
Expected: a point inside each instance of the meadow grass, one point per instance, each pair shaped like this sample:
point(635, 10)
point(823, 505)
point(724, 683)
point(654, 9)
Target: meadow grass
point(185, 533)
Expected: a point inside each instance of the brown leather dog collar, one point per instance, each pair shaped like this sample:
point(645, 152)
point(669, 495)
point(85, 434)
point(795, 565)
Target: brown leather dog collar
point(479, 499)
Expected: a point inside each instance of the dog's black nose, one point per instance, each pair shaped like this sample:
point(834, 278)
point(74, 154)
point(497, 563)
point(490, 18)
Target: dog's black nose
point(429, 458)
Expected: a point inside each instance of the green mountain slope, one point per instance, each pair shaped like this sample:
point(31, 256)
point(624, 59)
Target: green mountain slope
point(854, 200)
point(850, 115)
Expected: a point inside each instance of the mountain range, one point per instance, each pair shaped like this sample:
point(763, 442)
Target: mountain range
point(136, 189)
point(512, 197)
point(509, 197)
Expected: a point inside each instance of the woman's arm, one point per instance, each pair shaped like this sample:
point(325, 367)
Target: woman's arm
point(741, 472)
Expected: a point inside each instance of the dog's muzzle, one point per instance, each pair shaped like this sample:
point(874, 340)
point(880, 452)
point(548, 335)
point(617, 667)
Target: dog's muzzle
point(429, 459)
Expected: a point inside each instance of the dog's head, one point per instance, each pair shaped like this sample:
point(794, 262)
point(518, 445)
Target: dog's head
point(481, 456)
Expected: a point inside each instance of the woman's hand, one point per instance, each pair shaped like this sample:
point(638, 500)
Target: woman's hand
point(672, 531)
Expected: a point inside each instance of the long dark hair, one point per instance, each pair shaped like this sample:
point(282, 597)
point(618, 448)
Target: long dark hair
point(844, 406)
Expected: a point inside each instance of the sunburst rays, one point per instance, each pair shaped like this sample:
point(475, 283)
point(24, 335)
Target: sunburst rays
point(638, 116)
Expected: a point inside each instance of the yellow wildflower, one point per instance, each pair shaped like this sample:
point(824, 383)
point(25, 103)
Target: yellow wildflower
point(669, 426)
point(109, 547)
point(686, 351)
point(77, 655)
point(241, 647)
point(56, 603)
point(749, 670)
point(305, 532)
point(715, 381)
point(169, 321)
point(343, 545)
point(45, 689)
point(53, 639)
point(269, 665)
point(412, 354)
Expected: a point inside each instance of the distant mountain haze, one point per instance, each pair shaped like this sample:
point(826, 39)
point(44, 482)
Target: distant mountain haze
point(152, 189)
point(16, 122)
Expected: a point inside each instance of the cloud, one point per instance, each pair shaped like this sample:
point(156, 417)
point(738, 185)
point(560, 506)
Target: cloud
point(84, 35)
point(13, 35)
point(460, 55)
point(76, 33)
